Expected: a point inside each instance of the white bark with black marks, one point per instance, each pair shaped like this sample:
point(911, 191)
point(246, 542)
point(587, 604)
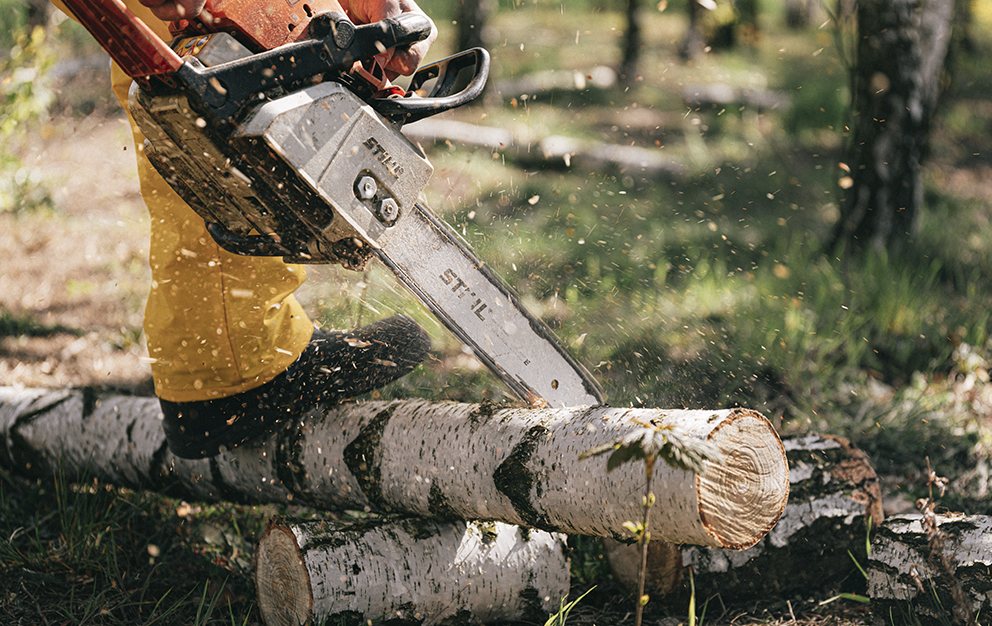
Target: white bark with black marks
point(411, 570)
point(834, 492)
point(896, 85)
point(436, 460)
point(934, 580)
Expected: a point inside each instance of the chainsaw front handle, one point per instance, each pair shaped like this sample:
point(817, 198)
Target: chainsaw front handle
point(425, 98)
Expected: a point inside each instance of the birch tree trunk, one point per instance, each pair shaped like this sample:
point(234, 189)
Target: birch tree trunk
point(411, 570)
point(902, 45)
point(437, 460)
point(942, 578)
point(834, 492)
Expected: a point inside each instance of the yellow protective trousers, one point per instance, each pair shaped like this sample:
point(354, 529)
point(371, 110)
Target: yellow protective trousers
point(216, 324)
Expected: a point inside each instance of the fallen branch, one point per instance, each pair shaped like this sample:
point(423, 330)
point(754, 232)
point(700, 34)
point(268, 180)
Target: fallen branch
point(411, 570)
point(436, 460)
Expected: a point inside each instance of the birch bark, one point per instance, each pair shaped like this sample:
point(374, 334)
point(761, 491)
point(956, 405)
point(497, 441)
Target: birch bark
point(411, 570)
point(916, 579)
point(437, 460)
point(834, 492)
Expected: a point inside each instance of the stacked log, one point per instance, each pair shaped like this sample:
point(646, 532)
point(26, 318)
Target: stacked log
point(411, 570)
point(834, 493)
point(931, 576)
point(441, 461)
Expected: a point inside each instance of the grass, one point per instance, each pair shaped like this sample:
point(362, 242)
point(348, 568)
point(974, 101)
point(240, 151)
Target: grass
point(89, 553)
point(710, 289)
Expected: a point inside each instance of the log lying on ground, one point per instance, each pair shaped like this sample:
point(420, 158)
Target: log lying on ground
point(411, 570)
point(834, 491)
point(916, 579)
point(437, 460)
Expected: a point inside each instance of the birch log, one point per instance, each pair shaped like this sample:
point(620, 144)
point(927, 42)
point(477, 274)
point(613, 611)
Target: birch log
point(833, 493)
point(920, 580)
point(412, 571)
point(438, 460)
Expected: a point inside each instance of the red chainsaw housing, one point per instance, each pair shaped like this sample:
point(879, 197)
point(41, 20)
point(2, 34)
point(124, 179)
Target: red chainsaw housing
point(258, 25)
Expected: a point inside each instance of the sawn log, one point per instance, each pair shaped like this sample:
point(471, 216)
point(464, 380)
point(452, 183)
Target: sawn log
point(438, 460)
point(409, 571)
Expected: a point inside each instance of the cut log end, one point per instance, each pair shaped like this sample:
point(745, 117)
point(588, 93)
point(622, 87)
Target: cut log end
point(283, 583)
point(742, 497)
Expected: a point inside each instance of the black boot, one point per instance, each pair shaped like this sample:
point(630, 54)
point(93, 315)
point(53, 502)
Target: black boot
point(334, 366)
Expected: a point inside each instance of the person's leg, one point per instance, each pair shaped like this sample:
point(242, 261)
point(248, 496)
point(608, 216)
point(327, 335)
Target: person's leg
point(216, 323)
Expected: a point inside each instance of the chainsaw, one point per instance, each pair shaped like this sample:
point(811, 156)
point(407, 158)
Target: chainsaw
point(275, 123)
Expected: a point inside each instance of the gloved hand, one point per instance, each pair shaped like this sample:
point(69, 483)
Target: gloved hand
point(395, 62)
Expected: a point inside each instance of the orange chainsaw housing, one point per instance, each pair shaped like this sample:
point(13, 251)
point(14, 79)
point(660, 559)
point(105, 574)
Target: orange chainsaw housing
point(259, 25)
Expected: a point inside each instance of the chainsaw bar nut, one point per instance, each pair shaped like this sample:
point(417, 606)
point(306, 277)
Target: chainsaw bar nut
point(388, 210)
point(366, 187)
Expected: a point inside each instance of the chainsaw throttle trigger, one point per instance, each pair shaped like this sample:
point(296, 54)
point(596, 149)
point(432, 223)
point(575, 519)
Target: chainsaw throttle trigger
point(247, 245)
point(433, 87)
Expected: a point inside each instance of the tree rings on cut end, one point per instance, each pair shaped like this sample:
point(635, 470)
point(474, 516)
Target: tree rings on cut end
point(742, 498)
point(282, 580)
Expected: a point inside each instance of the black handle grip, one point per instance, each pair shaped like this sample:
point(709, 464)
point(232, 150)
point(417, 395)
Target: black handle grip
point(418, 103)
point(400, 31)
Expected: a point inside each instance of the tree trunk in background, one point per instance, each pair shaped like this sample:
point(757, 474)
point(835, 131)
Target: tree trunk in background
point(38, 12)
point(964, 16)
point(802, 13)
point(472, 17)
point(902, 45)
point(916, 579)
point(633, 41)
point(432, 459)
point(747, 22)
point(408, 571)
point(833, 493)
point(693, 42)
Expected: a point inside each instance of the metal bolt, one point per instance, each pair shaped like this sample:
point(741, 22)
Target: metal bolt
point(388, 210)
point(366, 187)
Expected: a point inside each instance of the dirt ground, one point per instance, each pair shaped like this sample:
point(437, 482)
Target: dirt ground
point(82, 268)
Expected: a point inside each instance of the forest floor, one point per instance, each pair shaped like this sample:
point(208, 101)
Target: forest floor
point(74, 276)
